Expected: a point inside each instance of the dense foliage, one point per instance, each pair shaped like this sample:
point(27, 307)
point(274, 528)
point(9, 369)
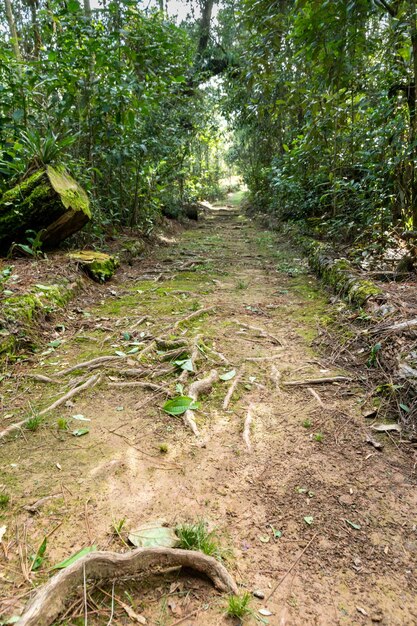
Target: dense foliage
point(115, 94)
point(323, 102)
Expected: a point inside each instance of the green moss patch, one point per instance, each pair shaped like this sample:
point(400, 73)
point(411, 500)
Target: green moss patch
point(98, 265)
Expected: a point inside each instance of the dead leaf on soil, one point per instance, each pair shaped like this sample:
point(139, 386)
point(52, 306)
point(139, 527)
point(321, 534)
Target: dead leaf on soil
point(386, 428)
point(152, 535)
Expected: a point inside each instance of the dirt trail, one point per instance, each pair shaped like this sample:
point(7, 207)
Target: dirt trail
point(310, 475)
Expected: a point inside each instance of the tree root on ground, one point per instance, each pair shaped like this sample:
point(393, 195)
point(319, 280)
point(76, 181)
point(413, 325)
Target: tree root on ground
point(89, 364)
point(50, 599)
point(318, 381)
point(232, 388)
point(246, 428)
point(93, 380)
point(197, 388)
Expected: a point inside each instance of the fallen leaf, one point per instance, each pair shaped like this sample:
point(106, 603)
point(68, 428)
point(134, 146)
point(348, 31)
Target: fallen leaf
point(2, 532)
point(386, 428)
point(178, 406)
point(265, 612)
point(228, 375)
point(139, 619)
point(153, 535)
point(79, 432)
point(81, 418)
point(309, 520)
point(59, 466)
point(361, 610)
point(263, 538)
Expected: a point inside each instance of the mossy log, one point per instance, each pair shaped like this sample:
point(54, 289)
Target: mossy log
point(340, 275)
point(49, 200)
point(98, 265)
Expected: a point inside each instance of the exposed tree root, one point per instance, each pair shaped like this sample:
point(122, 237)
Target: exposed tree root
point(276, 377)
point(143, 384)
point(232, 388)
point(89, 383)
point(246, 428)
point(193, 315)
point(256, 359)
point(50, 599)
point(89, 364)
point(40, 378)
point(197, 388)
point(318, 381)
point(166, 344)
point(261, 331)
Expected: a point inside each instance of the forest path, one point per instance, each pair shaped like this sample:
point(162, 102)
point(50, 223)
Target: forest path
point(310, 475)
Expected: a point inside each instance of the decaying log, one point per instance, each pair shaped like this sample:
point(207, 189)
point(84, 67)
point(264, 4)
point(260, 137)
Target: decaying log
point(51, 598)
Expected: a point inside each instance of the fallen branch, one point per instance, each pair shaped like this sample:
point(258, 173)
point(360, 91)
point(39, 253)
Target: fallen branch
point(396, 328)
point(193, 315)
point(197, 388)
point(232, 388)
point(89, 364)
point(89, 383)
point(318, 381)
point(50, 599)
point(246, 429)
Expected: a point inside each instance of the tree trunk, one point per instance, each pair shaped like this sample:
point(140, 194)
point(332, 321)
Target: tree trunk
point(12, 29)
point(413, 118)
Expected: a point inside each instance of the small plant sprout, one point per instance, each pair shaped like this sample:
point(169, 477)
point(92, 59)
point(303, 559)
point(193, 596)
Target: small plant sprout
point(318, 437)
point(34, 422)
point(307, 423)
point(238, 606)
point(62, 423)
point(241, 284)
point(163, 448)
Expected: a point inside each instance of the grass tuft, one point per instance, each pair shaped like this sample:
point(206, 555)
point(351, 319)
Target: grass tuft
point(238, 606)
point(34, 422)
point(197, 537)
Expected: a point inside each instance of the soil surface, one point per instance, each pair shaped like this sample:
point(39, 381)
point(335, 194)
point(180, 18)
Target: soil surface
point(310, 512)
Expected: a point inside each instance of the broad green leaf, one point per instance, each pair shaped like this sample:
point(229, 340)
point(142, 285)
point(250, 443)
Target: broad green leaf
point(179, 405)
point(185, 364)
point(228, 375)
point(309, 520)
point(75, 557)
